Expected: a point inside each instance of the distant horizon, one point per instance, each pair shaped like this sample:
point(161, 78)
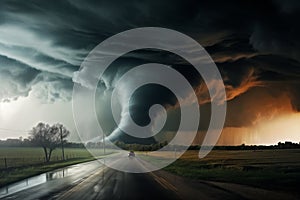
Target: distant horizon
point(266, 144)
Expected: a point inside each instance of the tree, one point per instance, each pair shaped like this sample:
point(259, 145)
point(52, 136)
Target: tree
point(48, 137)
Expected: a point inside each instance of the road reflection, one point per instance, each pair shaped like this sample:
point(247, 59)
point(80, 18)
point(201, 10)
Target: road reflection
point(39, 179)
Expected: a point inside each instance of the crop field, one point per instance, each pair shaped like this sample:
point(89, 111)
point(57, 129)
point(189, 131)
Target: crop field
point(272, 169)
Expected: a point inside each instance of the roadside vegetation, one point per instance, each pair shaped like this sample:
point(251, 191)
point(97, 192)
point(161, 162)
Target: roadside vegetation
point(24, 156)
point(24, 162)
point(277, 169)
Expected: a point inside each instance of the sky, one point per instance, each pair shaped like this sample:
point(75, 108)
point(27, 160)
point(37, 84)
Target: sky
point(254, 44)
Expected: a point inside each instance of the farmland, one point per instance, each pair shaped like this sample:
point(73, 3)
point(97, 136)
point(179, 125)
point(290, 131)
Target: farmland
point(16, 157)
point(22, 156)
point(270, 169)
point(17, 163)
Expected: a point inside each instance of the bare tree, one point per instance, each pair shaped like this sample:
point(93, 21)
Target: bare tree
point(48, 137)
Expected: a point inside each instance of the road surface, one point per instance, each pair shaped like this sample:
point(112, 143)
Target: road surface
point(93, 180)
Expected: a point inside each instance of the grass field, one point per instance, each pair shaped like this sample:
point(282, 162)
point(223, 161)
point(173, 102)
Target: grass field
point(25, 162)
point(16, 157)
point(271, 169)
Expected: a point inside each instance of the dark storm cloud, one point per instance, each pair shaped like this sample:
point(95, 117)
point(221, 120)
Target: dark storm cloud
point(277, 31)
point(267, 71)
point(50, 87)
point(255, 44)
point(16, 78)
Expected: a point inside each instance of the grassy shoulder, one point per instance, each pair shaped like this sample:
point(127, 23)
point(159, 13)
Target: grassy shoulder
point(12, 175)
point(25, 162)
point(269, 169)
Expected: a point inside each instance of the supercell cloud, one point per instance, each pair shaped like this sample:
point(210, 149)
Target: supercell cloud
point(254, 44)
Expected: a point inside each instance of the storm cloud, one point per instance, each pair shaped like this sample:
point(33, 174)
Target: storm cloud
point(254, 44)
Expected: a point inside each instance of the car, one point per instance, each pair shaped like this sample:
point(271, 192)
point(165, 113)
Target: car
point(131, 154)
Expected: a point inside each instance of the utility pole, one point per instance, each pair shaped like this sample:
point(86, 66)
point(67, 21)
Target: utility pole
point(103, 142)
point(62, 143)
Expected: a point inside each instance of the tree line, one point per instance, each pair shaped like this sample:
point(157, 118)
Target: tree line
point(25, 142)
point(49, 137)
point(280, 145)
point(125, 146)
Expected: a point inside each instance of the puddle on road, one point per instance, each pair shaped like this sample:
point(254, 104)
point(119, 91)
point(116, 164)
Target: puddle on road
point(37, 180)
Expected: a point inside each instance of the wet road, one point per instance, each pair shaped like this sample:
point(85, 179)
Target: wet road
point(93, 180)
point(44, 184)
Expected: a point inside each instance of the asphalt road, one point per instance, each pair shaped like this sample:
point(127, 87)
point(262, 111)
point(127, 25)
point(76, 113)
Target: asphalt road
point(95, 181)
point(91, 181)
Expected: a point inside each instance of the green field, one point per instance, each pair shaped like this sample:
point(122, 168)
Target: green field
point(25, 162)
point(271, 169)
point(17, 157)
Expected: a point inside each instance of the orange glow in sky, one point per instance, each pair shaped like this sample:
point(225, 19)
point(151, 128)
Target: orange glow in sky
point(282, 128)
point(285, 127)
